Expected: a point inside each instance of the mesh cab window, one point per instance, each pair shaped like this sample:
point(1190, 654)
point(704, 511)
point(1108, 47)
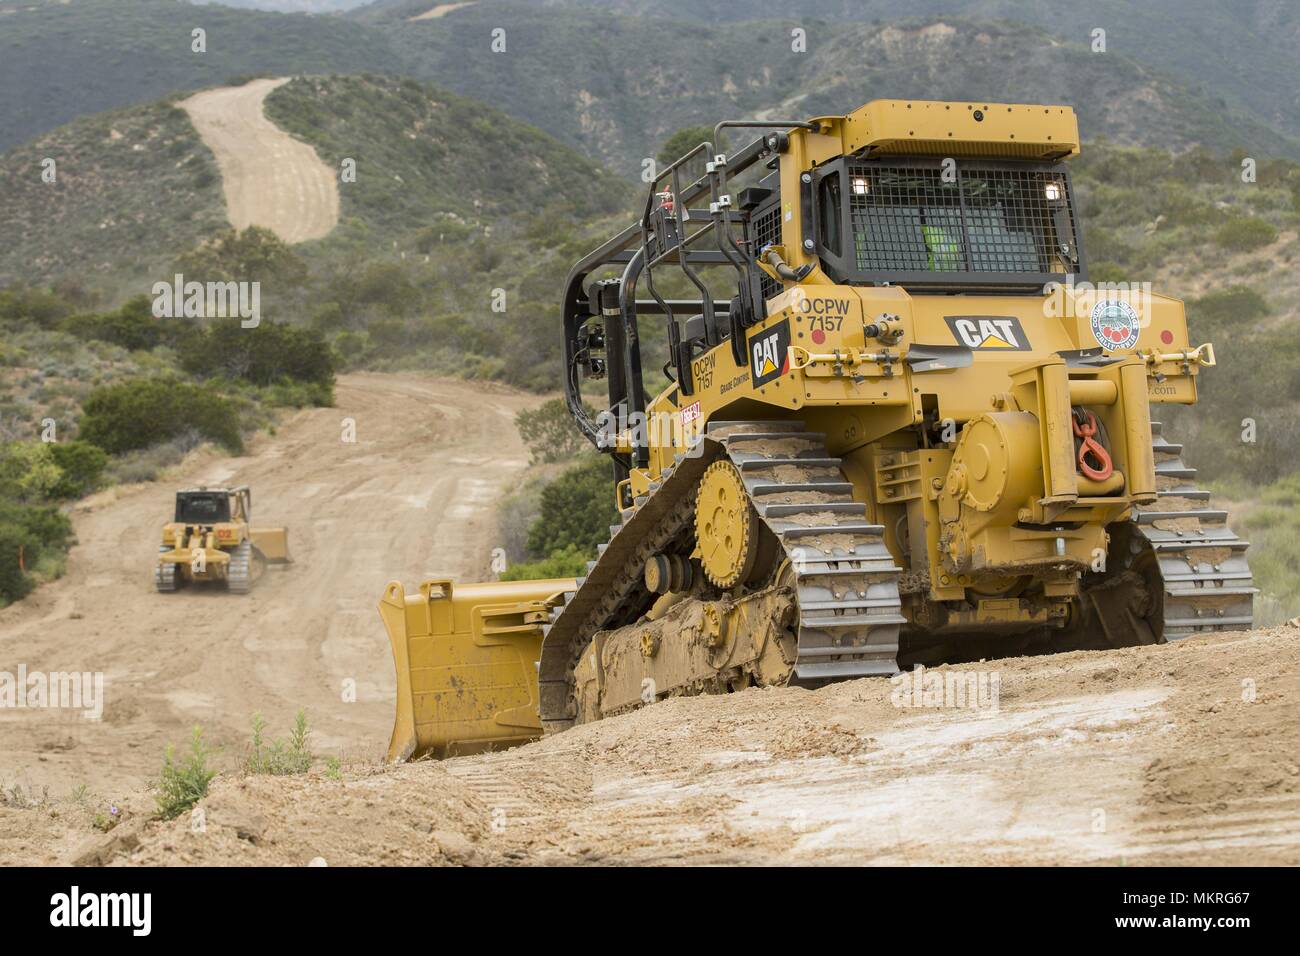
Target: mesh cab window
point(976, 219)
point(202, 509)
point(766, 231)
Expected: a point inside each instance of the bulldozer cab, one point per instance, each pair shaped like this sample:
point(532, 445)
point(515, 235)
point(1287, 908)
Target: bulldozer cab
point(211, 506)
point(202, 507)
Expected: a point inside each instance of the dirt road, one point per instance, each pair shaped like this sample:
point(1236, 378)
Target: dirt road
point(412, 496)
point(270, 179)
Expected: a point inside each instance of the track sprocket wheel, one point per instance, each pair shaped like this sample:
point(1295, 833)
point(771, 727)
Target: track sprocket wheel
point(726, 526)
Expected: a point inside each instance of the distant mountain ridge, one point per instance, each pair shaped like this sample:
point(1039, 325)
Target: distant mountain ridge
point(618, 94)
point(1243, 53)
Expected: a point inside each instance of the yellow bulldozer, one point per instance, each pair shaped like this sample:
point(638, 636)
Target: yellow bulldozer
point(899, 427)
point(210, 539)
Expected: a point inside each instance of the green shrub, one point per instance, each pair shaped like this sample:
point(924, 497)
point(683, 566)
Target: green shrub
point(1104, 271)
point(279, 758)
point(443, 231)
point(683, 141)
point(328, 317)
point(133, 326)
point(550, 432)
point(47, 528)
point(28, 471)
point(576, 510)
point(1105, 245)
point(14, 584)
point(181, 785)
point(81, 465)
point(254, 255)
point(1274, 531)
point(140, 412)
point(22, 305)
point(387, 286)
point(292, 394)
point(570, 562)
point(1237, 304)
point(1243, 233)
point(263, 355)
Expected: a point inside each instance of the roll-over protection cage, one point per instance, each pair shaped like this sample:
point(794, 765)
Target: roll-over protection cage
point(605, 315)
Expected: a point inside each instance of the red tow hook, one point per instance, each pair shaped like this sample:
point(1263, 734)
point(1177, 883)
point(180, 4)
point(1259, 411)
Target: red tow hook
point(1085, 429)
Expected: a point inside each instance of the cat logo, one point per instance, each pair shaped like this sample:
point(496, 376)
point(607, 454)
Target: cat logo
point(988, 332)
point(769, 354)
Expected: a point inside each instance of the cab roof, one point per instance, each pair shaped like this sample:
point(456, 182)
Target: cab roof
point(950, 128)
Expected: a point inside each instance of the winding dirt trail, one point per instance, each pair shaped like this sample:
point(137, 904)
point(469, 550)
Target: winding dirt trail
point(270, 179)
point(415, 494)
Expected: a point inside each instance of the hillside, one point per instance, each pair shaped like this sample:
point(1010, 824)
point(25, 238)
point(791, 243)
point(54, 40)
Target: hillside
point(448, 256)
point(423, 155)
point(132, 187)
point(270, 179)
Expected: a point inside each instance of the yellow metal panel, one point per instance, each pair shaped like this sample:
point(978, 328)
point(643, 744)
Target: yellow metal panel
point(963, 129)
point(1137, 432)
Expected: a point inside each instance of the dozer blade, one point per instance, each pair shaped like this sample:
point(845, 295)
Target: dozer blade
point(466, 664)
point(194, 557)
point(273, 543)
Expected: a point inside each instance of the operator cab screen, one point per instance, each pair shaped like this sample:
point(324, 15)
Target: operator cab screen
point(969, 221)
point(202, 508)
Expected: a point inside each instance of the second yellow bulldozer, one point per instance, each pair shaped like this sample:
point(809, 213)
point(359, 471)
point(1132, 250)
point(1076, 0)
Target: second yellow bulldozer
point(900, 427)
point(210, 539)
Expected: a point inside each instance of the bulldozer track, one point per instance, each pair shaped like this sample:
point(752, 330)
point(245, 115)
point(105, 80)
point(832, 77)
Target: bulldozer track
point(613, 591)
point(164, 573)
point(1207, 581)
point(846, 581)
point(845, 578)
point(239, 571)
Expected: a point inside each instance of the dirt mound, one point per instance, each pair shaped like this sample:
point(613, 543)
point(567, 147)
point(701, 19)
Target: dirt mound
point(1177, 754)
